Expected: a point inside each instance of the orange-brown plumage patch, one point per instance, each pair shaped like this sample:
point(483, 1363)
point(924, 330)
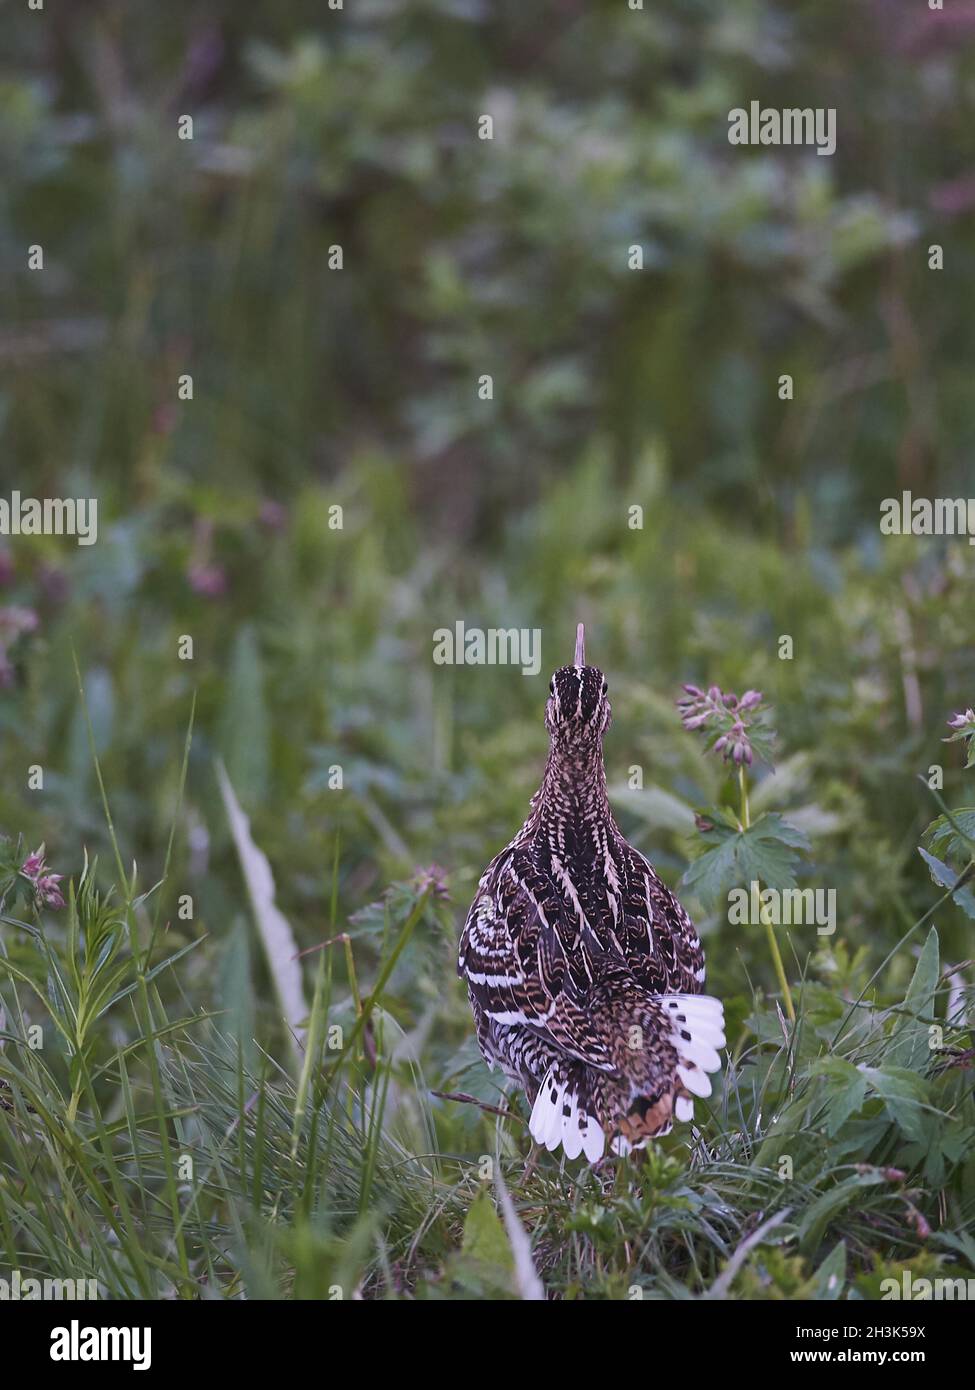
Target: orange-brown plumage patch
point(637, 1127)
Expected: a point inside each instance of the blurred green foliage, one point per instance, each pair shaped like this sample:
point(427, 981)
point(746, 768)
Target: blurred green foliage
point(316, 388)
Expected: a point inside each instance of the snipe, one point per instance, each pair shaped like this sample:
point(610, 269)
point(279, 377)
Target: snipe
point(583, 970)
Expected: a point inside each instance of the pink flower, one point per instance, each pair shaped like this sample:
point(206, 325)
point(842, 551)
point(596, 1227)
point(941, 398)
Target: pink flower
point(48, 890)
point(33, 864)
point(696, 708)
point(695, 721)
point(725, 714)
point(44, 883)
point(738, 745)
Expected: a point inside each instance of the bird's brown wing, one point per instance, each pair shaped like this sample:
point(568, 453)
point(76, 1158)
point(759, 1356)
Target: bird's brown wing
point(661, 944)
point(513, 958)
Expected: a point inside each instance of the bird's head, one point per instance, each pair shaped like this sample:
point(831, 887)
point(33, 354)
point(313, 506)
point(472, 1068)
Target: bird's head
point(577, 710)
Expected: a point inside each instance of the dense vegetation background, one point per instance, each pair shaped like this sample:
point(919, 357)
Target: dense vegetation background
point(356, 387)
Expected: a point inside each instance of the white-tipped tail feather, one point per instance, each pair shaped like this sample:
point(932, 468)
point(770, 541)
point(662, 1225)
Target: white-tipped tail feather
point(694, 1028)
point(697, 1031)
point(557, 1118)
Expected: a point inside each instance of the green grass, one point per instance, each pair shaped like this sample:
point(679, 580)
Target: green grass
point(188, 1161)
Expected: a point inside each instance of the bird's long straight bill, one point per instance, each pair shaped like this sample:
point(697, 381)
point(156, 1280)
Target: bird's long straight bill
point(580, 645)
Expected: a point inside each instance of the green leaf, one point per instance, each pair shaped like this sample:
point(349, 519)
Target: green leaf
point(826, 1208)
point(859, 1137)
point(968, 734)
point(484, 1234)
point(946, 877)
point(909, 1039)
point(904, 1094)
point(244, 725)
point(764, 853)
point(847, 1091)
point(953, 839)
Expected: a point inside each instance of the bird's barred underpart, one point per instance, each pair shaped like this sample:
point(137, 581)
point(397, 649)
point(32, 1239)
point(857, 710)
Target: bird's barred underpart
point(583, 970)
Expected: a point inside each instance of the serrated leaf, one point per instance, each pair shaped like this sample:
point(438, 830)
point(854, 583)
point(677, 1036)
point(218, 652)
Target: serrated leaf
point(846, 1093)
point(763, 853)
point(904, 1094)
point(957, 839)
point(859, 1137)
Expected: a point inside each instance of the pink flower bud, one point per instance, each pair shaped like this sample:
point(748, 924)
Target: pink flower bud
point(695, 721)
point(33, 864)
point(48, 890)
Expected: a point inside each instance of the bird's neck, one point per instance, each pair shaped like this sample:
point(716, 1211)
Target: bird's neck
point(573, 789)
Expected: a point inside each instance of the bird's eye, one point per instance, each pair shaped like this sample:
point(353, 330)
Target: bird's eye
point(605, 686)
point(551, 686)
